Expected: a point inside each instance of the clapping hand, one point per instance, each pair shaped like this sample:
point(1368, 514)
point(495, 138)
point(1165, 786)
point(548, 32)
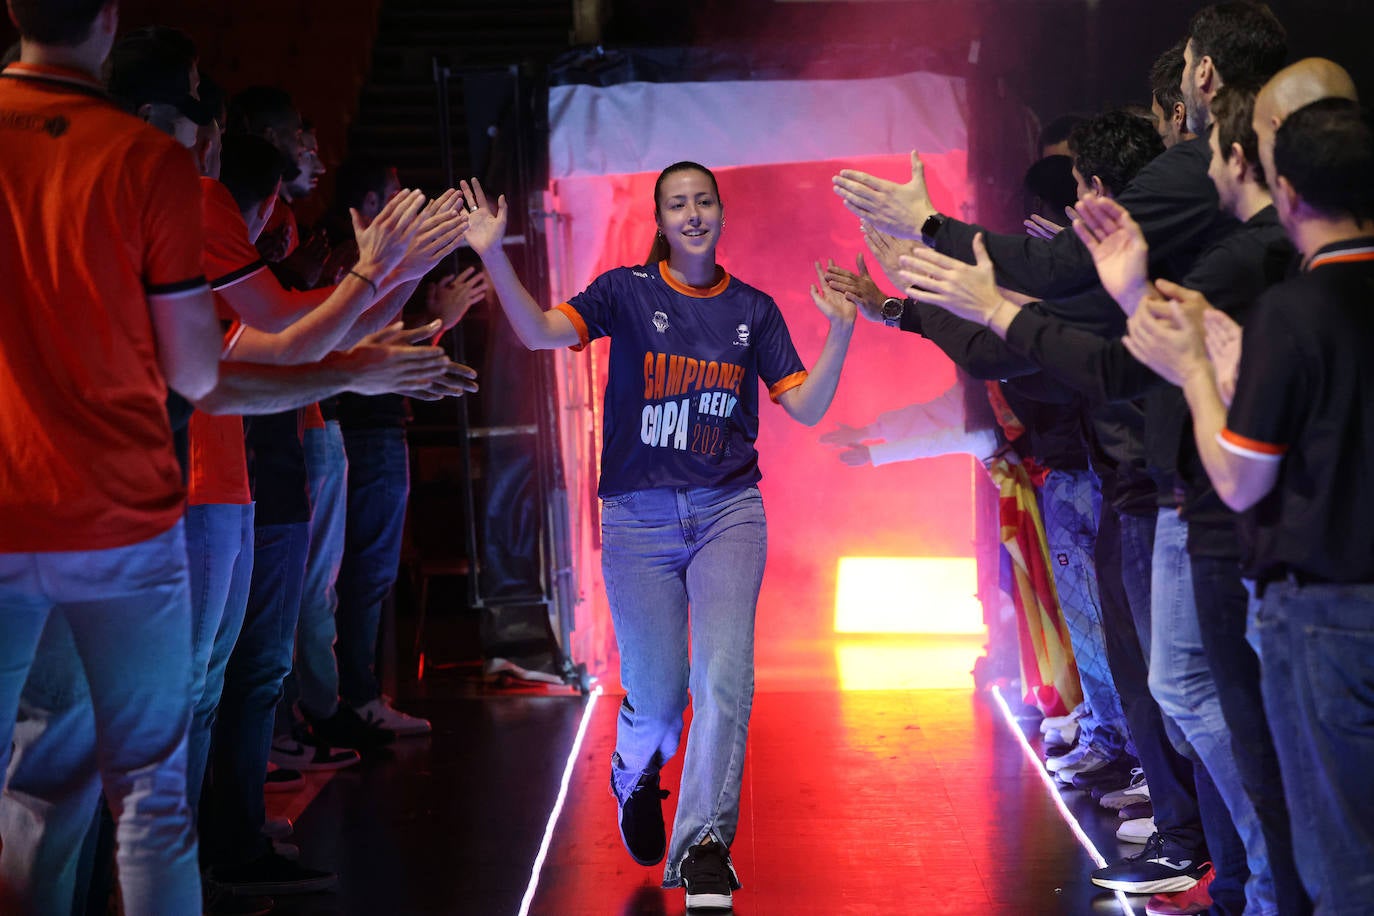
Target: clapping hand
point(899, 209)
point(1118, 248)
point(1222, 337)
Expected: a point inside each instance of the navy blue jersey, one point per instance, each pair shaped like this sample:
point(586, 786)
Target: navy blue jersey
point(682, 400)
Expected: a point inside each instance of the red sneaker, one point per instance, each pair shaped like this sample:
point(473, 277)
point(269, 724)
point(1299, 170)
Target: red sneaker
point(1196, 899)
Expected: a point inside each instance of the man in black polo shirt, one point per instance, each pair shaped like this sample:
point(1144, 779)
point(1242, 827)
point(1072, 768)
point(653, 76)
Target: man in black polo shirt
point(1296, 453)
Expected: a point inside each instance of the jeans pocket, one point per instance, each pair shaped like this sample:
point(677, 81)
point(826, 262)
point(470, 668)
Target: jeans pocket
point(618, 500)
point(1342, 679)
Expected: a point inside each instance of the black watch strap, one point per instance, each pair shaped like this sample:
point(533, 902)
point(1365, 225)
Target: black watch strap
point(931, 227)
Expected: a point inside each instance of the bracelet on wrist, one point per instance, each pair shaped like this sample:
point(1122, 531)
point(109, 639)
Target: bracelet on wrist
point(369, 282)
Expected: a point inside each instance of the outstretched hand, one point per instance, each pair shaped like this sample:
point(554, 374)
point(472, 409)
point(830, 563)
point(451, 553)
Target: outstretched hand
point(383, 243)
point(833, 305)
point(442, 224)
point(899, 209)
point(888, 250)
point(1118, 248)
point(485, 227)
point(966, 290)
point(387, 363)
point(451, 297)
point(858, 288)
point(843, 435)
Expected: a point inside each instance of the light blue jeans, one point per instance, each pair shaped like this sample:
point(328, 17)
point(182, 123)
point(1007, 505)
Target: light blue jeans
point(665, 551)
point(1182, 682)
point(1072, 502)
point(219, 546)
point(314, 682)
point(107, 634)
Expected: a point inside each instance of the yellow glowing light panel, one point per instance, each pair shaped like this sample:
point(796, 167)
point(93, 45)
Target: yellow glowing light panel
point(936, 595)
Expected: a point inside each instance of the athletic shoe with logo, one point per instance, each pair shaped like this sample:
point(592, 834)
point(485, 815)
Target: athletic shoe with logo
point(641, 821)
point(379, 713)
point(282, 779)
point(1159, 868)
point(348, 729)
point(709, 877)
point(296, 755)
point(1062, 722)
point(1196, 899)
point(1137, 791)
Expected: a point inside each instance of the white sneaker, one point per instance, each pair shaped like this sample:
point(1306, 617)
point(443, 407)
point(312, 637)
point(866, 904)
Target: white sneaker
point(381, 714)
point(1061, 722)
point(1137, 830)
point(1137, 791)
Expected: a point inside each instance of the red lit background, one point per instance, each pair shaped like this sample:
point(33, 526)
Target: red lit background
point(781, 218)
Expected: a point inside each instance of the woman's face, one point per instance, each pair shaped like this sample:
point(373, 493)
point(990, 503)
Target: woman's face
point(689, 213)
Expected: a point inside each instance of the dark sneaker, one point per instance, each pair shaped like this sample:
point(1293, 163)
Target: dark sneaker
point(219, 902)
point(641, 821)
point(1159, 868)
point(347, 729)
point(709, 877)
point(282, 779)
point(291, 754)
point(270, 873)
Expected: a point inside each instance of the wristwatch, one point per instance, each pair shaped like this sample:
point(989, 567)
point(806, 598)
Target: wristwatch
point(892, 311)
point(930, 227)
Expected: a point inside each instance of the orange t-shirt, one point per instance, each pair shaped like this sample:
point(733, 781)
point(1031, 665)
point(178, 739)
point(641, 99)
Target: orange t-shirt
point(97, 216)
point(219, 464)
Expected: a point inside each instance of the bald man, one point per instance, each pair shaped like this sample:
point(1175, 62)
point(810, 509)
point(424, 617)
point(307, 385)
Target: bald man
point(1294, 86)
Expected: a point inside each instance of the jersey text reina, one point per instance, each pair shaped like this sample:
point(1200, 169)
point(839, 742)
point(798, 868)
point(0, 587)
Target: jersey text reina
point(690, 402)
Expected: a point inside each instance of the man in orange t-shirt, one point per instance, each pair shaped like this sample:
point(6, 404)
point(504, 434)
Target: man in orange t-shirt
point(106, 307)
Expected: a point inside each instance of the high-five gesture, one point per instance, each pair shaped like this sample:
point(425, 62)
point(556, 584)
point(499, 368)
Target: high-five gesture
point(899, 209)
point(835, 306)
point(485, 228)
point(888, 250)
point(858, 288)
point(383, 243)
point(1118, 248)
point(967, 290)
point(441, 226)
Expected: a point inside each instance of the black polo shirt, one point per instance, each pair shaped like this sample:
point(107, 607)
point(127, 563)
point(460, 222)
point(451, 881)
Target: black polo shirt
point(1305, 399)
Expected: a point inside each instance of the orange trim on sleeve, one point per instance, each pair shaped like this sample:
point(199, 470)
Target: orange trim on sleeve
point(1235, 442)
point(584, 337)
point(786, 384)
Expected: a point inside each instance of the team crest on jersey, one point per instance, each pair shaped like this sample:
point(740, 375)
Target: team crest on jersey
point(661, 322)
point(742, 336)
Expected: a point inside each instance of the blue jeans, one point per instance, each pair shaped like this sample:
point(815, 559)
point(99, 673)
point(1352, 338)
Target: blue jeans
point(1181, 680)
point(219, 547)
point(1072, 503)
point(100, 644)
point(378, 486)
point(253, 678)
point(1317, 664)
point(315, 680)
point(1223, 604)
point(663, 551)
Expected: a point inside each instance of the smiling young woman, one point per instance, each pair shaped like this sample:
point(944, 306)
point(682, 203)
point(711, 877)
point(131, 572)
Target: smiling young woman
point(682, 519)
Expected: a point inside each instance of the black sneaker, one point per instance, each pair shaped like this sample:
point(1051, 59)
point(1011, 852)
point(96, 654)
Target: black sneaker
point(347, 729)
point(1159, 868)
point(641, 821)
point(292, 754)
point(709, 877)
point(272, 874)
point(218, 901)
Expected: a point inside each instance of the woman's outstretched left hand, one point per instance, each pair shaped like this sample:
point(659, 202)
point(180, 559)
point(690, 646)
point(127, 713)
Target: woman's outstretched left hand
point(833, 304)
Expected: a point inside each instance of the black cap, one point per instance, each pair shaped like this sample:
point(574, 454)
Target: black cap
point(154, 65)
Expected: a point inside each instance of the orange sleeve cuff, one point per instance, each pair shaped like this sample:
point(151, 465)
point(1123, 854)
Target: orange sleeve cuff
point(578, 324)
point(1250, 448)
point(786, 384)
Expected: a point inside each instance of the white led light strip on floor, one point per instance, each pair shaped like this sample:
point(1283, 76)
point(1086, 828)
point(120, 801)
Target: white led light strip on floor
point(1064, 811)
point(558, 804)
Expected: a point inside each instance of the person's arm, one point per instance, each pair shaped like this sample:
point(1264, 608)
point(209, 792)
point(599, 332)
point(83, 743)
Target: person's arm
point(384, 364)
point(537, 328)
point(808, 402)
point(188, 338)
point(1171, 343)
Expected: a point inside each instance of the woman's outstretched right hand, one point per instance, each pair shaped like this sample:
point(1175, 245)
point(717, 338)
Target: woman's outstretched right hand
point(485, 228)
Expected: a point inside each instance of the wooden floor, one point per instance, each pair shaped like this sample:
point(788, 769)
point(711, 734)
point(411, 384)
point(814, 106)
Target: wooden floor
point(862, 802)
